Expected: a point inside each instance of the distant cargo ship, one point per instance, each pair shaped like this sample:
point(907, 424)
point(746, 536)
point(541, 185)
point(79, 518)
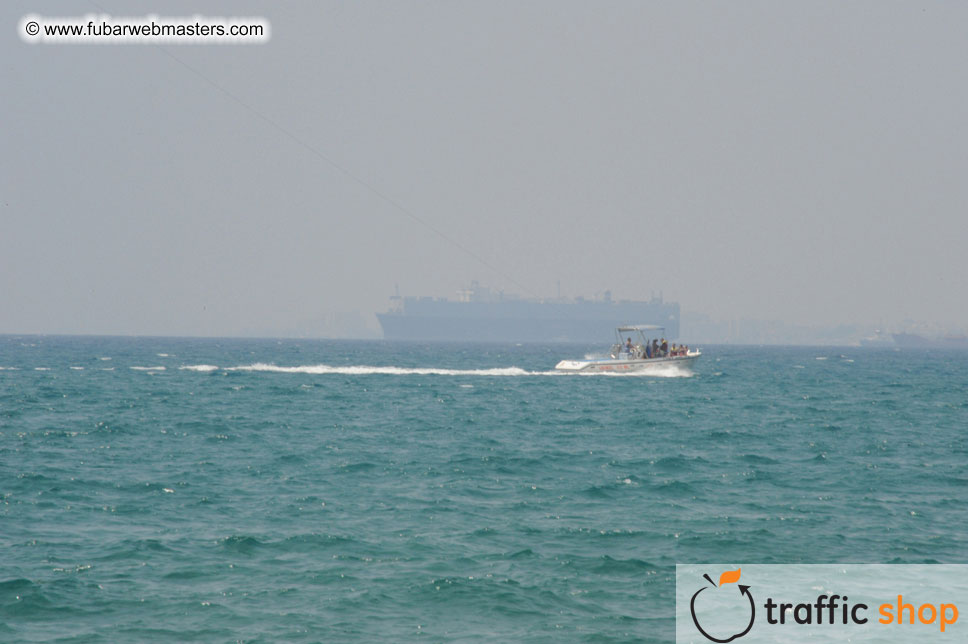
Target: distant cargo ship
point(482, 315)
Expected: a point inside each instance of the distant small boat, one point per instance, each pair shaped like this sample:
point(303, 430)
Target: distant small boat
point(624, 358)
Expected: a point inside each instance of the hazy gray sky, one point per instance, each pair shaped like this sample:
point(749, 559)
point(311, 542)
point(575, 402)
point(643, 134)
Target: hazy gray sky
point(798, 161)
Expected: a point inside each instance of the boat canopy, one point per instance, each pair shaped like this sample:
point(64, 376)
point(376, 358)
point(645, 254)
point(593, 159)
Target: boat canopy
point(640, 327)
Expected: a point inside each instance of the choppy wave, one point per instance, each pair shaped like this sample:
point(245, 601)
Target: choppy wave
point(496, 501)
point(148, 368)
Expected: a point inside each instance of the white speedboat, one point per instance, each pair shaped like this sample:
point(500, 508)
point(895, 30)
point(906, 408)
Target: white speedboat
point(629, 357)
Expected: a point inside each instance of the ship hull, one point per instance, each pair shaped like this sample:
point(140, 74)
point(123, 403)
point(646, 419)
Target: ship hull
point(493, 329)
point(531, 321)
point(625, 366)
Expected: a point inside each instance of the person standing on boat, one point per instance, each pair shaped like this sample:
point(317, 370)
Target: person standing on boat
point(655, 348)
point(665, 348)
point(648, 350)
point(628, 346)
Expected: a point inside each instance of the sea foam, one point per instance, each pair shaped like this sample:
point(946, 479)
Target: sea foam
point(198, 367)
point(361, 370)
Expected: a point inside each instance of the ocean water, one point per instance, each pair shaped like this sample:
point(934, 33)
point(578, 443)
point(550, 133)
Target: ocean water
point(190, 490)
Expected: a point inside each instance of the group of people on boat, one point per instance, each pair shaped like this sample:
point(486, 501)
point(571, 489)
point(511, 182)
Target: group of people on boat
point(654, 349)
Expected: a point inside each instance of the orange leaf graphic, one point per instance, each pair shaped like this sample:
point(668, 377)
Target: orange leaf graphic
point(729, 577)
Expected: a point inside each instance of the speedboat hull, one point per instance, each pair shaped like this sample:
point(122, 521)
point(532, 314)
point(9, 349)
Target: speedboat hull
point(625, 365)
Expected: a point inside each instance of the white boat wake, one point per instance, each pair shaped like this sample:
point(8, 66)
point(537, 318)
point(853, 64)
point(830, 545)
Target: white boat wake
point(661, 371)
point(361, 370)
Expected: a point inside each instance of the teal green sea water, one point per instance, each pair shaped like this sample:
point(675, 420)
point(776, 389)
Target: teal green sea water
point(176, 490)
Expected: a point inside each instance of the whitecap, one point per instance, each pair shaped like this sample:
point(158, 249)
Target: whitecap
point(78, 368)
point(148, 368)
point(198, 367)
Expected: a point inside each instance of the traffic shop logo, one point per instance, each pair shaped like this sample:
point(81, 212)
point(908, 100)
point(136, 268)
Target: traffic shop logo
point(740, 604)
